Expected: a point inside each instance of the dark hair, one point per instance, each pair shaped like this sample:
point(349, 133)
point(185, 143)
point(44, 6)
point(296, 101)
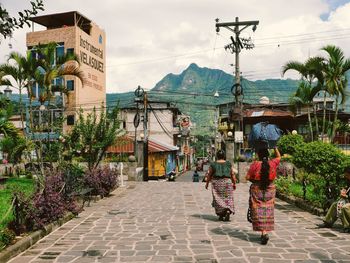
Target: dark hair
point(265, 168)
point(221, 155)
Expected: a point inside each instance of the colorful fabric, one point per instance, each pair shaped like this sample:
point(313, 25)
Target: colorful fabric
point(262, 203)
point(255, 167)
point(222, 191)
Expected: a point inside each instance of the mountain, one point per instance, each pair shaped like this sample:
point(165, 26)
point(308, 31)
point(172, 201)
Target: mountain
point(193, 92)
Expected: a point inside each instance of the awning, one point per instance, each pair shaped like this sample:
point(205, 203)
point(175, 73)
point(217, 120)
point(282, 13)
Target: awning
point(157, 146)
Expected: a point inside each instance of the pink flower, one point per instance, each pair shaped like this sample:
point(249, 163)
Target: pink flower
point(4, 161)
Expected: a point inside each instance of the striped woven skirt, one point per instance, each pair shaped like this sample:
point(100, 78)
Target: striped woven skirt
point(262, 204)
point(222, 191)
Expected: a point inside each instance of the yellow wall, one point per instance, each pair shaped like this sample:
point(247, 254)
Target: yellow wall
point(157, 163)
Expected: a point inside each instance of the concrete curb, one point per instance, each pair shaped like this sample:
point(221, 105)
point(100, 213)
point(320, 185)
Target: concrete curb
point(31, 239)
point(298, 202)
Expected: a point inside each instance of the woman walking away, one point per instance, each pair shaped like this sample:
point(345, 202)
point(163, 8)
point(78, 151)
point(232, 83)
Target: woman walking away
point(222, 176)
point(262, 191)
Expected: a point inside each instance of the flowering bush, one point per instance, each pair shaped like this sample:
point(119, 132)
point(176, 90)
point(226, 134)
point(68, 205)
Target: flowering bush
point(102, 180)
point(44, 206)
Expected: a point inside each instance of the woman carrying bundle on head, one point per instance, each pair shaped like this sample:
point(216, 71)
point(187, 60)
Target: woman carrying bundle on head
point(262, 192)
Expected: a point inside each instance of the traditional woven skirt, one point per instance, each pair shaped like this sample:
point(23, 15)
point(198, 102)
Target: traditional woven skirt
point(262, 204)
point(222, 191)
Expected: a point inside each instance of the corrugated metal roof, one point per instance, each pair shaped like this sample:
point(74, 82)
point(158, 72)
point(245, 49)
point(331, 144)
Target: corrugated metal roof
point(263, 112)
point(157, 146)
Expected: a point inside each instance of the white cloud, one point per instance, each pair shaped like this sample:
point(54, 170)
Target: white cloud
point(148, 39)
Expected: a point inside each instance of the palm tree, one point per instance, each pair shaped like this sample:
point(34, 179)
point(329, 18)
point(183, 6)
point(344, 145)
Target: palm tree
point(307, 90)
point(336, 65)
point(52, 67)
point(304, 97)
point(21, 69)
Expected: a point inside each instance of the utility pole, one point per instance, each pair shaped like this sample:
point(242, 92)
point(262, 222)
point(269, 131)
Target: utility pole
point(236, 47)
point(145, 138)
point(140, 93)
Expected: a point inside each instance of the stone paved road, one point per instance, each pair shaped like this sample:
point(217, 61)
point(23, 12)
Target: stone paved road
point(174, 222)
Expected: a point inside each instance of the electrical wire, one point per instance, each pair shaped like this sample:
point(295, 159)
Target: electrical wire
point(160, 123)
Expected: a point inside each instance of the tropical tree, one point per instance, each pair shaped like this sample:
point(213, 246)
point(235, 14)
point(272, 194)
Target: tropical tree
point(304, 97)
point(312, 82)
point(53, 67)
point(92, 135)
point(19, 72)
point(335, 80)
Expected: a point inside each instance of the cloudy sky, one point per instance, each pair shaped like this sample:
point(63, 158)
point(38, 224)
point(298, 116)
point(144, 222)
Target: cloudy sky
point(148, 39)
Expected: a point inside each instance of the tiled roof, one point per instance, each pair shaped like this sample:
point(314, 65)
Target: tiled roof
point(126, 145)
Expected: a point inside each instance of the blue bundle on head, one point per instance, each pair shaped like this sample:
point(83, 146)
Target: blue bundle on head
point(264, 135)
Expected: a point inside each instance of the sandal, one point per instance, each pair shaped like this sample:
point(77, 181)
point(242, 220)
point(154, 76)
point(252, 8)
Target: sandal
point(264, 239)
point(227, 216)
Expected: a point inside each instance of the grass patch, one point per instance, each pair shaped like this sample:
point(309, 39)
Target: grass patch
point(295, 188)
point(24, 185)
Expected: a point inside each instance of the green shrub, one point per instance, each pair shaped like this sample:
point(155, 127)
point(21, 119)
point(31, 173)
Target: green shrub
point(325, 162)
point(288, 144)
point(6, 237)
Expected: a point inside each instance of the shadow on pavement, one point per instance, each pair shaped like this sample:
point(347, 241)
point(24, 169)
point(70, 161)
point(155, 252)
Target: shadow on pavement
point(213, 218)
point(244, 235)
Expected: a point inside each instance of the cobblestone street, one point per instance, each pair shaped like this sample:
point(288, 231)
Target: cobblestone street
point(174, 222)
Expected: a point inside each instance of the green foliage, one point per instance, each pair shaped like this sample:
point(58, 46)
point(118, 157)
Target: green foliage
point(15, 147)
point(24, 185)
point(92, 135)
point(118, 158)
point(323, 165)
point(6, 237)
point(322, 159)
point(9, 23)
point(295, 188)
point(288, 144)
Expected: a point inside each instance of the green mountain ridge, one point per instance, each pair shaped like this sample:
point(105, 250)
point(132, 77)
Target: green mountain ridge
point(192, 91)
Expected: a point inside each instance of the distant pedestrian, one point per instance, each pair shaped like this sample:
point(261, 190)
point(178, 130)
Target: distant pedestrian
point(340, 208)
point(195, 177)
point(222, 177)
point(262, 192)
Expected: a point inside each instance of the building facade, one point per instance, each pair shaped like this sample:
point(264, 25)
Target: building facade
point(74, 33)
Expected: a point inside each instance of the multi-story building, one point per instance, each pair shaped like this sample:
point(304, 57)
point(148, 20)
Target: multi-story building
point(74, 33)
point(167, 135)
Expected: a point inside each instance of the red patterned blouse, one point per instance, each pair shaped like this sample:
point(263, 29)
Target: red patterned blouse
point(254, 170)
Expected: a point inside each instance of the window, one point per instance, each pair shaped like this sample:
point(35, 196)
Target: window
point(70, 51)
point(59, 52)
point(57, 84)
point(70, 119)
point(329, 105)
point(70, 85)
